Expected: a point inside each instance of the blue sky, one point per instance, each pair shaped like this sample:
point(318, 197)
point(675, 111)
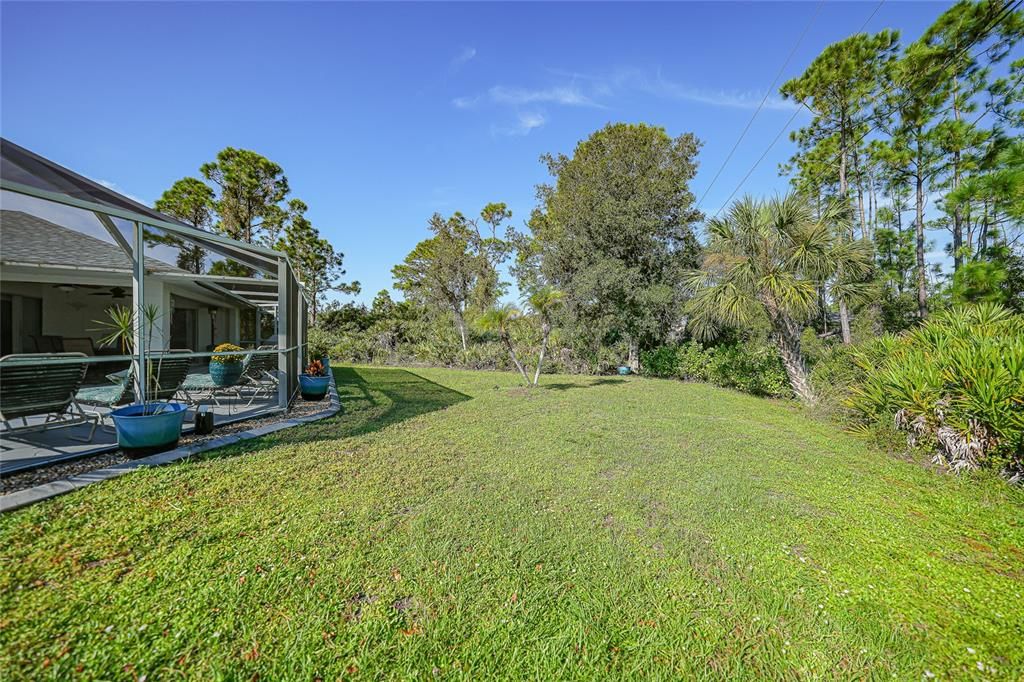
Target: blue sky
point(382, 114)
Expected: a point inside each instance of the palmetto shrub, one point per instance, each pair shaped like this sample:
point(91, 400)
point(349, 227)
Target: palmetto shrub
point(956, 383)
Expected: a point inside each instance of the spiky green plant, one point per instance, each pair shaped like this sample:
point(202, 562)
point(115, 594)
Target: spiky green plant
point(955, 382)
point(119, 328)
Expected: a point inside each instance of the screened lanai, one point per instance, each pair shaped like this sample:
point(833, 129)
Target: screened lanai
point(72, 249)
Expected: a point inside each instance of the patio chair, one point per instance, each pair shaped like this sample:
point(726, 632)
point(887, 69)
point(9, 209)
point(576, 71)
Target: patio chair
point(30, 386)
point(166, 373)
point(261, 374)
point(47, 343)
point(108, 396)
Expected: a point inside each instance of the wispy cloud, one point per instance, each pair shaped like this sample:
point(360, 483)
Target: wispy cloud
point(600, 90)
point(526, 121)
point(467, 102)
point(659, 86)
point(113, 186)
point(464, 57)
point(566, 95)
point(656, 84)
point(505, 95)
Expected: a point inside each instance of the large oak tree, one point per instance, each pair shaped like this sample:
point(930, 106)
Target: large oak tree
point(615, 233)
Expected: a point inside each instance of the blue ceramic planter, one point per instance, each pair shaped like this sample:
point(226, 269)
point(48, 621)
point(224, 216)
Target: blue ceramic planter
point(138, 428)
point(225, 373)
point(623, 371)
point(313, 388)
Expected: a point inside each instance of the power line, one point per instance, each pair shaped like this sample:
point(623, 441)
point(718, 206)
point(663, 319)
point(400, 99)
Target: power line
point(785, 127)
point(759, 160)
point(992, 105)
point(760, 106)
point(1010, 6)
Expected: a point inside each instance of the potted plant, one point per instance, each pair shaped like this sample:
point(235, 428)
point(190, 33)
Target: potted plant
point(150, 427)
point(153, 425)
point(225, 369)
point(314, 381)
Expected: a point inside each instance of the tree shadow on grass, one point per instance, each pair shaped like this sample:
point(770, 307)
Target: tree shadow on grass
point(404, 395)
point(608, 381)
point(371, 399)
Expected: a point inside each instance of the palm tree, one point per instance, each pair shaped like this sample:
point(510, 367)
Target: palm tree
point(499, 319)
point(543, 302)
point(766, 260)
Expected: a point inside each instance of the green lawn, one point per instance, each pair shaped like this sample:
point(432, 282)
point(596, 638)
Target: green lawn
point(450, 525)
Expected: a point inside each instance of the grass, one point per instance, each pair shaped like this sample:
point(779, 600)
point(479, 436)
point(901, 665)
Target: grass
point(452, 525)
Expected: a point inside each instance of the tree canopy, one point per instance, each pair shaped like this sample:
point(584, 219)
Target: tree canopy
point(615, 231)
point(455, 271)
point(245, 197)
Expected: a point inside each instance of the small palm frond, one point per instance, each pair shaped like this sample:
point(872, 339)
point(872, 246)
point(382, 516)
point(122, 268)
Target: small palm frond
point(499, 318)
point(545, 300)
point(724, 304)
point(797, 296)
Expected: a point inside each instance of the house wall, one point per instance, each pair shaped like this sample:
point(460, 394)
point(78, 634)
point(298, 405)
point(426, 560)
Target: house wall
point(225, 326)
point(157, 293)
point(71, 314)
point(79, 314)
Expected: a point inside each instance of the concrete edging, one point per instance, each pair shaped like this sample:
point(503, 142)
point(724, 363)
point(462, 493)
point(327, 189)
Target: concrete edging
point(23, 498)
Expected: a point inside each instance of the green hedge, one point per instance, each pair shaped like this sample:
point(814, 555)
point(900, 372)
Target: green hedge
point(753, 367)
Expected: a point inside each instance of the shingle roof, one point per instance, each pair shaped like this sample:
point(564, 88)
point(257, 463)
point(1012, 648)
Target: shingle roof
point(25, 238)
point(25, 167)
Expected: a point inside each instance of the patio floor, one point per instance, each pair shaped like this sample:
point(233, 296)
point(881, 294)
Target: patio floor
point(20, 452)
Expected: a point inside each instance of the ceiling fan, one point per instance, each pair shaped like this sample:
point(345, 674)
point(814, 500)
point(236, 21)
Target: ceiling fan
point(113, 292)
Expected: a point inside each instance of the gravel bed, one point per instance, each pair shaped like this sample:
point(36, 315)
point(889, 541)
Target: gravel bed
point(59, 470)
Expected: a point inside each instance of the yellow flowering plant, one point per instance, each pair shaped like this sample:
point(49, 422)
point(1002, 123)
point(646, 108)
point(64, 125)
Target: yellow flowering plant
point(230, 356)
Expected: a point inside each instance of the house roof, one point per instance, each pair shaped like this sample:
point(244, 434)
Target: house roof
point(24, 171)
point(20, 165)
point(28, 239)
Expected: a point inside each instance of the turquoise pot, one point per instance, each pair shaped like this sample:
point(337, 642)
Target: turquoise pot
point(313, 388)
point(149, 427)
point(623, 371)
point(225, 373)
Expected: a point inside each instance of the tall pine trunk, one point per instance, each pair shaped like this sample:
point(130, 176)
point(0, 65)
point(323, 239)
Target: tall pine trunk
point(899, 244)
point(922, 284)
point(958, 223)
point(844, 312)
point(860, 196)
